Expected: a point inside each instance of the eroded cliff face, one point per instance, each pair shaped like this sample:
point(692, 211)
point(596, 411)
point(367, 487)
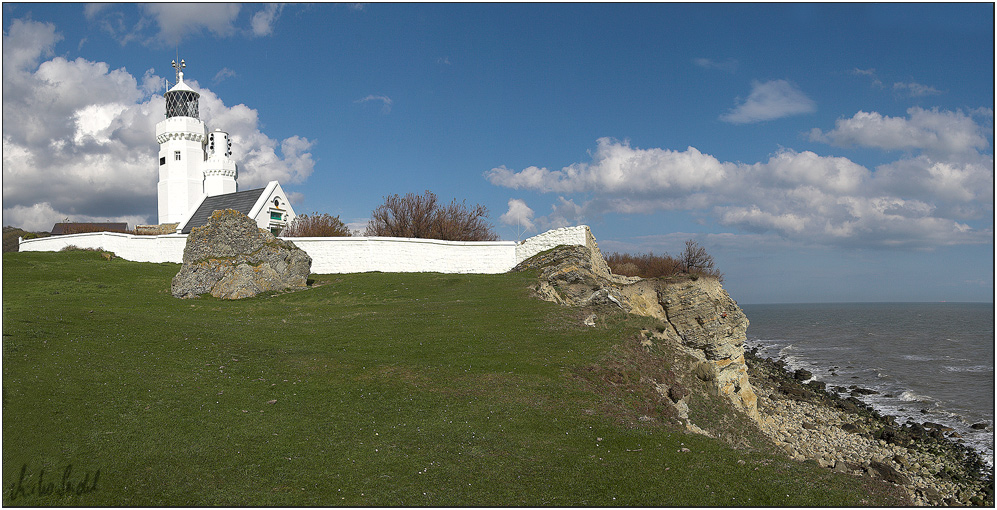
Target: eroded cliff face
point(707, 320)
point(698, 313)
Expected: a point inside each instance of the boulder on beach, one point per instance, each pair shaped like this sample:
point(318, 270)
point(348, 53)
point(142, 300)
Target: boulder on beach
point(802, 374)
point(864, 391)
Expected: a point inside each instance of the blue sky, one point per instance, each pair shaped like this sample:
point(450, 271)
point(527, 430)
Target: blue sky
point(820, 152)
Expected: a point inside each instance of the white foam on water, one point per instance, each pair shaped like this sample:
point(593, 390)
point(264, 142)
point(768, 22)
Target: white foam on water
point(973, 369)
point(917, 357)
point(910, 396)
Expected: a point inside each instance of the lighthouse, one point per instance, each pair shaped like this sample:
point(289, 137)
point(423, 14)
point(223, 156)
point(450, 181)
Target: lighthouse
point(193, 163)
point(197, 174)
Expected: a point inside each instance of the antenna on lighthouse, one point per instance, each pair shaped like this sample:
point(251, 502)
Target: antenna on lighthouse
point(179, 67)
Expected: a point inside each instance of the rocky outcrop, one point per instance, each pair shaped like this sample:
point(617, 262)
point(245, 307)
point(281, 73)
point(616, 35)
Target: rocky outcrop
point(699, 313)
point(230, 257)
point(707, 320)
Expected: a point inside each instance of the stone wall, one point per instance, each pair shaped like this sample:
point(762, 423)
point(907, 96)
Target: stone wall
point(346, 254)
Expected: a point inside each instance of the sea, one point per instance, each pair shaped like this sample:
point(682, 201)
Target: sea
point(928, 361)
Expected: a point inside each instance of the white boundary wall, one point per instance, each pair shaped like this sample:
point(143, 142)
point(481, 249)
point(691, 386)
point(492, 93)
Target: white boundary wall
point(344, 254)
point(405, 255)
point(165, 248)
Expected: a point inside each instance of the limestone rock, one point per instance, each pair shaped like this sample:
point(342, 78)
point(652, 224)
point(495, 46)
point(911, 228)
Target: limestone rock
point(230, 257)
point(889, 473)
point(699, 313)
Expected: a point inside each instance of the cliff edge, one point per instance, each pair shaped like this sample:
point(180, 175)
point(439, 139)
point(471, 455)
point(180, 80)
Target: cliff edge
point(700, 319)
point(698, 313)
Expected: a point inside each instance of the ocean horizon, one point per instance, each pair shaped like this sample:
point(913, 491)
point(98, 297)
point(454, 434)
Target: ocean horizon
point(926, 361)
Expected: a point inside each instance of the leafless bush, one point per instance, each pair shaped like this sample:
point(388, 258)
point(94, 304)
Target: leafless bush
point(694, 261)
point(316, 225)
point(422, 216)
point(645, 265)
point(695, 258)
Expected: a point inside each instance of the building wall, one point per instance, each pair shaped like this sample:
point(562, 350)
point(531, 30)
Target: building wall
point(344, 254)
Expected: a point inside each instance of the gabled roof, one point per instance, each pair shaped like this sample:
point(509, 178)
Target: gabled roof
point(79, 228)
point(242, 201)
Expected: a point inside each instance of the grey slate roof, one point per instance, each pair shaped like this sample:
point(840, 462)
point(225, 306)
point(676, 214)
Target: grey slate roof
point(242, 201)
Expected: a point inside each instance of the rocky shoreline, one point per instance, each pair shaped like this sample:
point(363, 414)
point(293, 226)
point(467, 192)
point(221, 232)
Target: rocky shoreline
point(844, 434)
point(799, 416)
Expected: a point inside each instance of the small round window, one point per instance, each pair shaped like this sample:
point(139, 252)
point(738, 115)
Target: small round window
point(276, 202)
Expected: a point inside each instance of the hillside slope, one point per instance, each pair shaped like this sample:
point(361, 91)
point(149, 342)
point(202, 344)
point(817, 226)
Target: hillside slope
point(365, 389)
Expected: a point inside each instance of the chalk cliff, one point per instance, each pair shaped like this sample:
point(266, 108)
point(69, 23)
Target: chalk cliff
point(699, 314)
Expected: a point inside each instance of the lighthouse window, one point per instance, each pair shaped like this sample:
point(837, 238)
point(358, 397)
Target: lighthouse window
point(162, 160)
point(176, 155)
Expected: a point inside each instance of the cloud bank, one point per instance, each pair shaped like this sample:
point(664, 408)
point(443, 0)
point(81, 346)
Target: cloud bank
point(78, 137)
point(926, 199)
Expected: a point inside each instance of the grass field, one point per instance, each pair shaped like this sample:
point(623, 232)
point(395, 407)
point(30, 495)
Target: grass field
point(367, 389)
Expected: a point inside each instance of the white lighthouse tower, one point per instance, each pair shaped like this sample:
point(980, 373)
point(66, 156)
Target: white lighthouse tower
point(197, 175)
point(188, 172)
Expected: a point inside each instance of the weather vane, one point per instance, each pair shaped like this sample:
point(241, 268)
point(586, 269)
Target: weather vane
point(179, 68)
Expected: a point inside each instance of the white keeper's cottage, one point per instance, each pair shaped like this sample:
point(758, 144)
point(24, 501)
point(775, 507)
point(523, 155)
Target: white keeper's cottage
point(197, 174)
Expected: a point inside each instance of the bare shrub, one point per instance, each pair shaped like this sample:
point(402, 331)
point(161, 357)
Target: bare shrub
point(645, 265)
point(695, 258)
point(695, 262)
point(422, 216)
point(458, 222)
point(316, 225)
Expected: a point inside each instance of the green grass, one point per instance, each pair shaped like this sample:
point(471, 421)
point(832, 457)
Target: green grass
point(367, 389)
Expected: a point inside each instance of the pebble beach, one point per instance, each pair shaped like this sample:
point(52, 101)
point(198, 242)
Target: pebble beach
point(848, 436)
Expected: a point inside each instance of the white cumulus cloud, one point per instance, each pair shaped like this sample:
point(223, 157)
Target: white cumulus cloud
point(935, 131)
point(770, 100)
point(519, 214)
point(79, 137)
point(263, 21)
point(176, 20)
point(617, 167)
